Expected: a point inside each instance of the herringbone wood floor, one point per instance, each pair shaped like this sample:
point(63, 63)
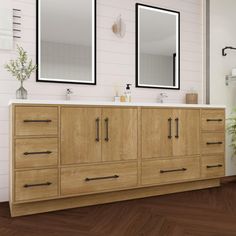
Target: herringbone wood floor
point(197, 213)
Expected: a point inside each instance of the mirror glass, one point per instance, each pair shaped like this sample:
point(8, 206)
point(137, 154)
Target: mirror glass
point(66, 41)
point(157, 47)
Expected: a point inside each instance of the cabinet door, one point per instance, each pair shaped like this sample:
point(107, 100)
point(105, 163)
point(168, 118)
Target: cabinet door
point(80, 135)
point(156, 132)
point(186, 138)
point(120, 128)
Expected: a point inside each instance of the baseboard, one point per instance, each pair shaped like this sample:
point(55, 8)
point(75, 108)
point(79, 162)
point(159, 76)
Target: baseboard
point(228, 179)
point(95, 199)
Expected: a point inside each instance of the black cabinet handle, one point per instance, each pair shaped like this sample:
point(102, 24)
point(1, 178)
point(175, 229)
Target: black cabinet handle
point(37, 121)
point(101, 178)
point(214, 166)
point(177, 127)
point(214, 120)
point(107, 129)
point(37, 153)
point(97, 130)
point(170, 129)
point(214, 143)
point(176, 170)
point(37, 185)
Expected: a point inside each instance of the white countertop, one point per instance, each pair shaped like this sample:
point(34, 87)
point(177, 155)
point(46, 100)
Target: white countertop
point(102, 103)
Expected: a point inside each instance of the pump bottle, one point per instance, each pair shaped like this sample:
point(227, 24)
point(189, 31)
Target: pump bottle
point(128, 93)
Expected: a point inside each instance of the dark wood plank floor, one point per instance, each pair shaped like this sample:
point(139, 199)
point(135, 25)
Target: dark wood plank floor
point(201, 213)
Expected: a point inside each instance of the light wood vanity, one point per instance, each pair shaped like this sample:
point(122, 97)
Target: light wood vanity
point(66, 155)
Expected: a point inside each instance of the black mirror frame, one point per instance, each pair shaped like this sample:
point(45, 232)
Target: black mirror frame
point(137, 49)
point(95, 50)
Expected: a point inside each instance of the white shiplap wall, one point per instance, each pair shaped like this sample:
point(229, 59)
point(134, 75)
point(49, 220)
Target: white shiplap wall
point(115, 62)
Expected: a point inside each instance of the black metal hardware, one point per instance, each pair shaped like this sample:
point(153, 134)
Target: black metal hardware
point(107, 129)
point(37, 121)
point(177, 127)
point(97, 130)
point(16, 16)
point(37, 153)
point(225, 48)
point(37, 185)
point(214, 166)
point(176, 170)
point(214, 143)
point(101, 178)
point(170, 130)
point(216, 120)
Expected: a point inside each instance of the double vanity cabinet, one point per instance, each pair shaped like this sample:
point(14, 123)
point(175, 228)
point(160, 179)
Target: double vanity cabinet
point(67, 155)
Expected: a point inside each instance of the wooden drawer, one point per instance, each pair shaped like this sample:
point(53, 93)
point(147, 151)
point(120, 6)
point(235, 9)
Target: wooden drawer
point(213, 120)
point(213, 143)
point(168, 171)
point(213, 166)
point(98, 178)
point(36, 120)
point(36, 184)
point(37, 152)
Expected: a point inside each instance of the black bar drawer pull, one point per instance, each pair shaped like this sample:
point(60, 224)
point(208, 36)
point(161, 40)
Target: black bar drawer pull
point(170, 130)
point(214, 143)
point(101, 178)
point(214, 120)
point(37, 153)
point(107, 129)
point(37, 121)
point(214, 166)
point(176, 170)
point(177, 127)
point(97, 139)
point(37, 185)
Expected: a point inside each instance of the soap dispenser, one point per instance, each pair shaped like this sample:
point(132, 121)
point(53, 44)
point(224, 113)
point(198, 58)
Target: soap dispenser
point(128, 93)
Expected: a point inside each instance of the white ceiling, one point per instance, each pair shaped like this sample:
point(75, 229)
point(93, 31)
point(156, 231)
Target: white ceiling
point(157, 32)
point(66, 21)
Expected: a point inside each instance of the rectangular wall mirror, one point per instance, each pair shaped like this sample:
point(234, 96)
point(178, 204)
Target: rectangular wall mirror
point(157, 47)
point(66, 41)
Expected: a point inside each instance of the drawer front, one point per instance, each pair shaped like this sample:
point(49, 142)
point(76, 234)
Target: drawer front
point(36, 121)
point(36, 184)
point(168, 171)
point(213, 120)
point(213, 143)
point(213, 166)
point(98, 178)
point(37, 152)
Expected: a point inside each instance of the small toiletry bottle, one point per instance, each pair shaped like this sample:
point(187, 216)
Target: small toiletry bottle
point(117, 97)
point(128, 93)
point(122, 98)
